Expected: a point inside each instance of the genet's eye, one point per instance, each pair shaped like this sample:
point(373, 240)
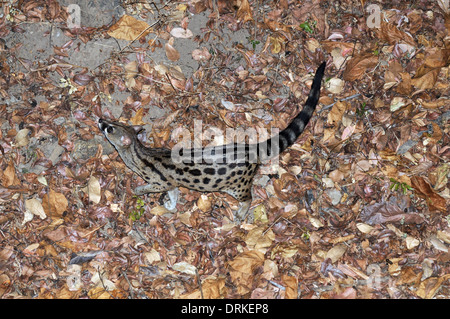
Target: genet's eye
point(109, 129)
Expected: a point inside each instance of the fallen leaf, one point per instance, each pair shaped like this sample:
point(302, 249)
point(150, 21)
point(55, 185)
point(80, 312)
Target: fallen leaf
point(336, 252)
point(391, 34)
point(181, 33)
point(8, 177)
point(291, 285)
point(34, 205)
point(244, 12)
point(260, 239)
point(137, 118)
point(214, 287)
point(242, 269)
point(425, 77)
point(434, 104)
point(397, 103)
point(390, 211)
point(335, 85)
point(276, 44)
point(94, 190)
point(159, 210)
point(260, 293)
point(22, 137)
point(201, 54)
point(358, 66)
point(428, 288)
point(247, 262)
point(424, 190)
point(204, 203)
point(172, 53)
point(128, 28)
point(185, 268)
point(348, 131)
point(336, 113)
point(55, 204)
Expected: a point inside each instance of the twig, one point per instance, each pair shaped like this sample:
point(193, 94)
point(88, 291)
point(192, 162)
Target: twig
point(140, 34)
point(277, 285)
point(199, 282)
point(103, 284)
point(129, 283)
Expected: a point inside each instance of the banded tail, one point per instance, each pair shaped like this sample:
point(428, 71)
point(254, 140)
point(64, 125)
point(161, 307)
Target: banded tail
point(278, 143)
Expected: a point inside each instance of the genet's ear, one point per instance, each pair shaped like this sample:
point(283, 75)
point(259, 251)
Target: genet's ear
point(138, 128)
point(125, 140)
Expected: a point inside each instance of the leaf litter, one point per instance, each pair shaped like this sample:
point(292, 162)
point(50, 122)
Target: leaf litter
point(358, 208)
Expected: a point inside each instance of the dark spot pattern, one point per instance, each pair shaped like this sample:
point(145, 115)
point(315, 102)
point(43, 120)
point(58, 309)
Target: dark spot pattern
point(195, 172)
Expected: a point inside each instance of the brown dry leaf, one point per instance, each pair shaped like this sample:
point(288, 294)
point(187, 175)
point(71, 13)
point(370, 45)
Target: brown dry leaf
point(408, 276)
point(214, 288)
point(391, 171)
point(247, 262)
point(285, 250)
point(22, 137)
point(434, 104)
point(441, 176)
point(260, 239)
point(437, 58)
point(425, 77)
point(137, 118)
point(276, 44)
point(336, 113)
point(94, 190)
point(424, 190)
point(195, 294)
point(260, 293)
point(185, 268)
point(276, 26)
point(55, 204)
point(82, 79)
point(427, 74)
point(159, 210)
point(61, 237)
point(242, 269)
point(391, 34)
point(343, 48)
point(405, 86)
point(429, 287)
point(436, 136)
point(99, 293)
point(391, 211)
point(5, 282)
point(204, 203)
point(171, 53)
point(8, 177)
point(358, 65)
point(6, 252)
point(131, 70)
point(35, 207)
point(128, 28)
point(347, 293)
point(181, 33)
point(336, 252)
point(202, 54)
point(335, 86)
point(291, 285)
point(244, 12)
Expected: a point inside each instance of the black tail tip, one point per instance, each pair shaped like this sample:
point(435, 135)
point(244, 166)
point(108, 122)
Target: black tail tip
point(321, 68)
